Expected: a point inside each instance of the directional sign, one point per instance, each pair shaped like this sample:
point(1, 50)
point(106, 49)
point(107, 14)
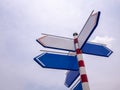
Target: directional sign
point(88, 28)
point(56, 42)
point(67, 44)
point(78, 86)
point(96, 49)
point(56, 61)
point(71, 77)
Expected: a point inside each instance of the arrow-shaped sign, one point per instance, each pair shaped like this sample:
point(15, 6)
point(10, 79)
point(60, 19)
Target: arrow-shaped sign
point(78, 86)
point(55, 61)
point(88, 28)
point(57, 42)
point(96, 49)
point(67, 44)
point(71, 77)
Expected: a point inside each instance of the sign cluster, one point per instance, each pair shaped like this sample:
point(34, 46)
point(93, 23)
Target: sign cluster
point(76, 78)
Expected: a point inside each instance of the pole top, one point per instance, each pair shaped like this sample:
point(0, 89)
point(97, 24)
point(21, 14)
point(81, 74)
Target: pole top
point(75, 34)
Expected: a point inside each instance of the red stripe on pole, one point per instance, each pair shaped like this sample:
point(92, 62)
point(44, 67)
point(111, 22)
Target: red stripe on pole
point(76, 40)
point(81, 63)
point(78, 51)
point(84, 78)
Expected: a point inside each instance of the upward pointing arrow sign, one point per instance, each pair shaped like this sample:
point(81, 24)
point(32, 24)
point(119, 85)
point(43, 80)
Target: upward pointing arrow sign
point(88, 28)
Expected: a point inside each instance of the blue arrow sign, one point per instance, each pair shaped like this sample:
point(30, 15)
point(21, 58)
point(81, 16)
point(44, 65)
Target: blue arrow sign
point(78, 86)
point(71, 77)
point(96, 49)
point(55, 61)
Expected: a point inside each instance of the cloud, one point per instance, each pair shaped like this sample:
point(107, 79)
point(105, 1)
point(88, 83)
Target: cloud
point(103, 40)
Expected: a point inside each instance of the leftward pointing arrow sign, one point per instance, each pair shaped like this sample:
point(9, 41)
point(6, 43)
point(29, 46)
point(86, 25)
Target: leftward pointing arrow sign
point(55, 61)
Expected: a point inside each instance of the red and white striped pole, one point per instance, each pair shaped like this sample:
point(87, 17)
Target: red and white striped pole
point(81, 64)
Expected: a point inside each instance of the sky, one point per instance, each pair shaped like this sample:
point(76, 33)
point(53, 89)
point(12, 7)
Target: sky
point(23, 21)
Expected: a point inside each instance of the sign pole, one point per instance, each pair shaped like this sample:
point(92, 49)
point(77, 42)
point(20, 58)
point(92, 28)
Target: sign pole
point(81, 64)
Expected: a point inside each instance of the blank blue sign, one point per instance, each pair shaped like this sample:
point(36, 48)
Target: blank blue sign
point(96, 49)
point(55, 61)
point(78, 87)
point(71, 77)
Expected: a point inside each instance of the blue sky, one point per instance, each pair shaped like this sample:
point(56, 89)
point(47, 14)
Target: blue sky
point(23, 21)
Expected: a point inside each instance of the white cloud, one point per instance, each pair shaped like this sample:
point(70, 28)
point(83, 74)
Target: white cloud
point(103, 40)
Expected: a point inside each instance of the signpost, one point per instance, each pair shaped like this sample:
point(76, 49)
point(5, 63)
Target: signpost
point(73, 63)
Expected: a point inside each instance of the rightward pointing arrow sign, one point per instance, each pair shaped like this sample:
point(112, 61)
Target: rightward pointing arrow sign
point(96, 49)
point(55, 61)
